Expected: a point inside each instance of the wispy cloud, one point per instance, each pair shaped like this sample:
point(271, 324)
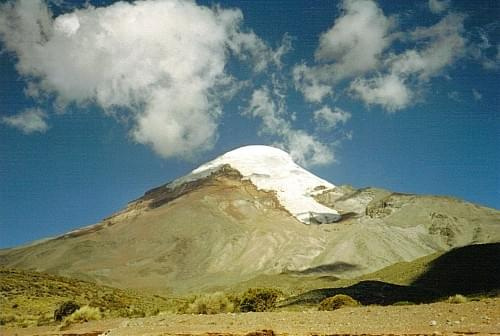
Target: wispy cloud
point(269, 106)
point(438, 6)
point(484, 52)
point(327, 118)
point(32, 120)
point(455, 96)
point(477, 95)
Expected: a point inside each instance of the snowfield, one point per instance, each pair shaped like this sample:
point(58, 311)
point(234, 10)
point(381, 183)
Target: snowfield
point(271, 169)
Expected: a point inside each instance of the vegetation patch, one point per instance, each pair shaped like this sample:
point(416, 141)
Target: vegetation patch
point(83, 314)
point(338, 301)
point(65, 309)
point(33, 298)
point(457, 298)
point(259, 300)
point(214, 303)
point(404, 303)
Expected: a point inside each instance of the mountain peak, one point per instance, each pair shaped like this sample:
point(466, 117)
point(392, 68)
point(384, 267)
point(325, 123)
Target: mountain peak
point(272, 169)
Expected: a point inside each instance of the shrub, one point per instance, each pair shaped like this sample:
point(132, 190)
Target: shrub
point(214, 303)
point(259, 299)
point(84, 314)
point(338, 301)
point(458, 298)
point(65, 309)
point(403, 303)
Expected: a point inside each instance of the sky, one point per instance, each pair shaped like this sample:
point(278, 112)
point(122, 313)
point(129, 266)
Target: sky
point(103, 100)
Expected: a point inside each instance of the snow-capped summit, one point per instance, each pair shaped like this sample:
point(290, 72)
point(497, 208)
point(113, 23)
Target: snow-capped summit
point(272, 169)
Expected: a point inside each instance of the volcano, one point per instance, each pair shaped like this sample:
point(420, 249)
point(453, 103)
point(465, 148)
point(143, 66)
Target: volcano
point(253, 211)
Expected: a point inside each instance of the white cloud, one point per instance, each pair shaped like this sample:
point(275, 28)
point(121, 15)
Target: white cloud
point(485, 53)
point(389, 91)
point(29, 121)
point(358, 49)
point(145, 57)
point(438, 6)
point(308, 81)
point(249, 47)
point(440, 46)
point(356, 40)
point(352, 46)
point(326, 118)
point(443, 43)
point(264, 107)
point(305, 149)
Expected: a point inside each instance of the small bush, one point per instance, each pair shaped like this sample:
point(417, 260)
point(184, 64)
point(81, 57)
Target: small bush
point(83, 314)
point(214, 303)
point(65, 309)
point(259, 299)
point(458, 298)
point(403, 303)
point(338, 301)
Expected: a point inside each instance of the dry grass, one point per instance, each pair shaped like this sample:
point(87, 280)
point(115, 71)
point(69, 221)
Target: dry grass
point(214, 303)
point(30, 298)
point(85, 314)
point(457, 298)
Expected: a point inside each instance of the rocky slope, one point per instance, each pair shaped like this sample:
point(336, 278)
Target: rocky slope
point(248, 213)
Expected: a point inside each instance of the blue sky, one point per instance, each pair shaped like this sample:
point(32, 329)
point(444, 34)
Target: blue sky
point(101, 100)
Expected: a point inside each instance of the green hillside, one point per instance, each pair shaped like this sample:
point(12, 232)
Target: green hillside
point(30, 298)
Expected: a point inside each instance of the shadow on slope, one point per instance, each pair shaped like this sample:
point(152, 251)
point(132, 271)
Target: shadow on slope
point(337, 267)
point(368, 293)
point(473, 269)
point(468, 270)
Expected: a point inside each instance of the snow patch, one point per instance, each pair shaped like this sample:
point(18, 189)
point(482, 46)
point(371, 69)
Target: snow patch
point(271, 169)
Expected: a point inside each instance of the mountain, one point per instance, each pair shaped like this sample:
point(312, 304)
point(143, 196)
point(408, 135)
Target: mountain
point(253, 212)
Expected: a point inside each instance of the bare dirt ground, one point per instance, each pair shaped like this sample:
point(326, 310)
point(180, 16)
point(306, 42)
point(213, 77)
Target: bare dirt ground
point(470, 318)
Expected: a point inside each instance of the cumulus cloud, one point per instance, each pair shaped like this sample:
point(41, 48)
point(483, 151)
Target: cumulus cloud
point(269, 106)
point(306, 149)
point(327, 119)
point(356, 40)
point(29, 121)
point(352, 46)
point(143, 57)
point(438, 6)
point(440, 46)
point(388, 91)
point(357, 52)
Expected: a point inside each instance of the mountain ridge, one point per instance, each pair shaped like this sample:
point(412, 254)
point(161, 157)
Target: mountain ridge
point(220, 228)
